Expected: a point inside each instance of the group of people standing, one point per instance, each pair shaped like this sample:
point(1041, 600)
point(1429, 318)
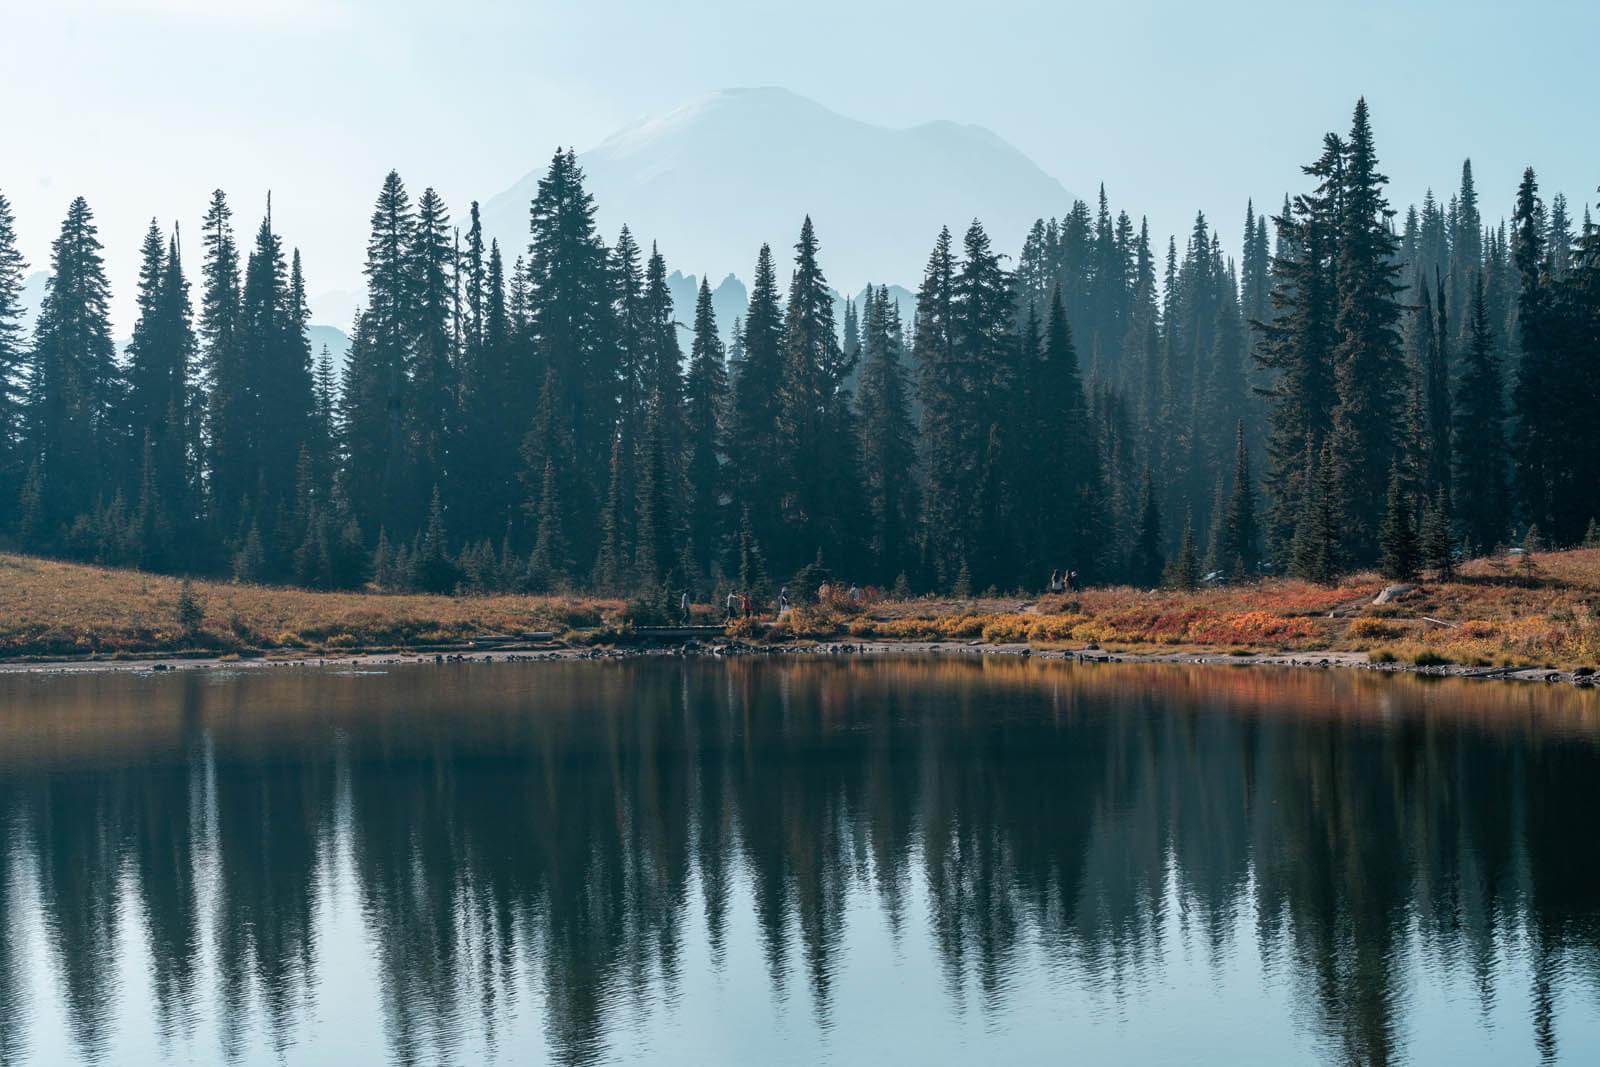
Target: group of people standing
point(737, 606)
point(1063, 581)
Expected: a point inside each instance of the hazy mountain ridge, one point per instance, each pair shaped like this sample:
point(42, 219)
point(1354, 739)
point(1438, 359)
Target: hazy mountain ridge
point(712, 180)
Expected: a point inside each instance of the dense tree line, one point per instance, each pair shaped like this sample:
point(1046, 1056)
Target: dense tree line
point(1395, 394)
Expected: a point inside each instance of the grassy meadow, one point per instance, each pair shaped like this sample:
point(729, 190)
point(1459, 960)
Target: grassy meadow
point(1493, 613)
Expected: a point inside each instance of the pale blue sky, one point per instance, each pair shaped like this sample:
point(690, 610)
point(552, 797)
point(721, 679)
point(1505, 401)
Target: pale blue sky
point(143, 106)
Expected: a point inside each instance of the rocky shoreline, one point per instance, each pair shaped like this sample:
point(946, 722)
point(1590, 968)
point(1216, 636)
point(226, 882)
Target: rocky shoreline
point(1305, 660)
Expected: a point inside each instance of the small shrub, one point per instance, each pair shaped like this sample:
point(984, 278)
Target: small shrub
point(1429, 658)
point(1382, 655)
point(745, 629)
point(191, 609)
point(1367, 629)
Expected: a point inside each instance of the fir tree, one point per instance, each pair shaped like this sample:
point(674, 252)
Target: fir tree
point(228, 403)
point(571, 321)
point(431, 357)
point(1435, 542)
point(1241, 537)
point(752, 562)
point(433, 569)
point(158, 406)
point(943, 388)
point(1183, 569)
point(1436, 375)
point(1146, 563)
point(1296, 347)
point(704, 393)
point(1400, 554)
point(753, 411)
point(12, 355)
point(374, 401)
point(1318, 553)
point(1481, 499)
point(1552, 414)
point(73, 377)
point(1368, 367)
point(612, 567)
point(549, 565)
point(1216, 557)
point(653, 552)
point(1064, 455)
point(815, 429)
point(888, 440)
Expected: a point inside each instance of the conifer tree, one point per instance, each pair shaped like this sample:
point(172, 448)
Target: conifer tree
point(1297, 345)
point(374, 401)
point(888, 447)
point(1436, 371)
point(12, 356)
point(1240, 545)
point(704, 393)
point(943, 388)
point(549, 564)
point(1400, 555)
point(632, 329)
point(431, 390)
point(1318, 552)
point(663, 374)
point(1552, 414)
point(144, 407)
point(753, 411)
point(492, 422)
point(275, 383)
point(73, 377)
point(158, 407)
point(1465, 233)
point(1481, 497)
point(752, 562)
point(1064, 456)
point(815, 429)
point(612, 566)
point(433, 570)
point(1217, 532)
point(570, 316)
point(1435, 542)
point(1368, 367)
point(1183, 569)
point(227, 400)
point(1146, 562)
point(653, 551)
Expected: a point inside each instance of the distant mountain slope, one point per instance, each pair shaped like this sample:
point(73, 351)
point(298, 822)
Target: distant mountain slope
point(337, 341)
point(713, 179)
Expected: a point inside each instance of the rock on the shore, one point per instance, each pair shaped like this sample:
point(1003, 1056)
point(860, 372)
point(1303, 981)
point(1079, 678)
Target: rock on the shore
point(1392, 593)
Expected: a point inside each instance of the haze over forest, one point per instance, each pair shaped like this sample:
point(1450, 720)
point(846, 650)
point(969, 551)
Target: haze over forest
point(749, 334)
point(1351, 392)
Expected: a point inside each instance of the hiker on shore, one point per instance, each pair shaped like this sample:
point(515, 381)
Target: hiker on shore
point(745, 604)
point(783, 601)
point(683, 607)
point(1056, 584)
point(733, 605)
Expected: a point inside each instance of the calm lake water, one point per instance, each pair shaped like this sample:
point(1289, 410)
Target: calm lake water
point(796, 862)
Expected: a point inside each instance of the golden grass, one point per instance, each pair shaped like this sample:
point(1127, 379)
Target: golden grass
point(1492, 614)
point(48, 608)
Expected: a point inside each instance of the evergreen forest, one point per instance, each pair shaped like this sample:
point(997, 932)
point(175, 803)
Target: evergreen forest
point(1361, 387)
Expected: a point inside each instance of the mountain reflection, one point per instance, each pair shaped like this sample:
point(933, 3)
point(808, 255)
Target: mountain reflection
point(575, 843)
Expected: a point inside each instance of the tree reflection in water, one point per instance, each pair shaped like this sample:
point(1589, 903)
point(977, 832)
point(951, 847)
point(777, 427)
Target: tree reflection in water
point(573, 842)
